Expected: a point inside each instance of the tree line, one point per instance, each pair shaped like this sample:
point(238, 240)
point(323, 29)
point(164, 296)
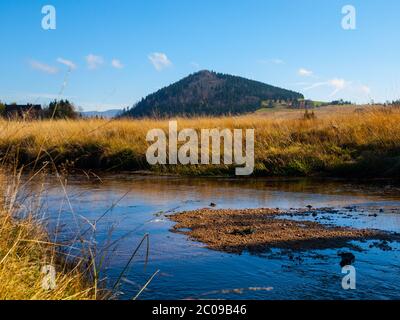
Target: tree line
point(57, 109)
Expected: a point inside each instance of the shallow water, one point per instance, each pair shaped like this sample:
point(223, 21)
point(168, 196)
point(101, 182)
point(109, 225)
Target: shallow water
point(137, 205)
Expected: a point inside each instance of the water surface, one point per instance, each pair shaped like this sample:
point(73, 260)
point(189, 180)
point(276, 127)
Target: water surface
point(137, 205)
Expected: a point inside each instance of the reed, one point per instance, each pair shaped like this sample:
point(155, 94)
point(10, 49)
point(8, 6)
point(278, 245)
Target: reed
point(336, 142)
point(30, 245)
point(26, 247)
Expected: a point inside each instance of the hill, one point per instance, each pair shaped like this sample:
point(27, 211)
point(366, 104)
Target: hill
point(209, 93)
point(101, 114)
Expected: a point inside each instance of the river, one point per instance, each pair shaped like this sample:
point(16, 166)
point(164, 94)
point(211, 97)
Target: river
point(136, 205)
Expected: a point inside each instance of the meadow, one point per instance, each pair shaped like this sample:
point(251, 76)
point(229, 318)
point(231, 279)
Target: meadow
point(336, 142)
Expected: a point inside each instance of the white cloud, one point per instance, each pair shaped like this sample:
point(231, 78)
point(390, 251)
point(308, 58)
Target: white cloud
point(67, 63)
point(117, 64)
point(316, 85)
point(336, 83)
point(94, 61)
point(304, 72)
point(43, 67)
point(365, 89)
point(159, 60)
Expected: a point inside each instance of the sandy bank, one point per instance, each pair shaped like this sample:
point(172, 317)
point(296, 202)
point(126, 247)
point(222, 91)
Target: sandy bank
point(258, 230)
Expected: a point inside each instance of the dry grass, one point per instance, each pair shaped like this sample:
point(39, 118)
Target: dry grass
point(25, 249)
point(293, 114)
point(340, 141)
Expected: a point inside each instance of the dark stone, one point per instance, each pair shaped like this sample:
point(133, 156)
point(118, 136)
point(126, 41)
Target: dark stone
point(347, 258)
point(244, 232)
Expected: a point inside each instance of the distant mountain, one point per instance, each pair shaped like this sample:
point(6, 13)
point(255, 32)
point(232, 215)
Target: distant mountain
point(209, 93)
point(101, 114)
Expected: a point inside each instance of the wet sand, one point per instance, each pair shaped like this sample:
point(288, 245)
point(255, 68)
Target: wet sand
point(259, 230)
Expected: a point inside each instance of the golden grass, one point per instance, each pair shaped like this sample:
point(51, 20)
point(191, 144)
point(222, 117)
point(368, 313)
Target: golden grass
point(327, 111)
point(25, 249)
point(340, 141)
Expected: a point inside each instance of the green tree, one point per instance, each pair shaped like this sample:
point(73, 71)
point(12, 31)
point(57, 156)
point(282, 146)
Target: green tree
point(2, 109)
point(62, 109)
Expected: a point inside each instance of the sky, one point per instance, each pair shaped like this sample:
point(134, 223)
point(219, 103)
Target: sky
point(107, 54)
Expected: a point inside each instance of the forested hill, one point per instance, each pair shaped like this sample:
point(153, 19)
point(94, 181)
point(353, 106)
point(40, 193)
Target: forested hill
point(209, 93)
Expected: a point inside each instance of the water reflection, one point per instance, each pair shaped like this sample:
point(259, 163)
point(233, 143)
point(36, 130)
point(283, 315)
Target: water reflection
point(136, 205)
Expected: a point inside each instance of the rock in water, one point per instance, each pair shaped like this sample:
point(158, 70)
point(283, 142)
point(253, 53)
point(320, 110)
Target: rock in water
point(347, 259)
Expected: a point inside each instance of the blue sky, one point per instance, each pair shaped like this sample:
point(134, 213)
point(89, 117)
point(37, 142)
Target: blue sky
point(110, 53)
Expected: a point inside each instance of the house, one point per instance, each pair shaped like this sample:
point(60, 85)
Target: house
point(23, 111)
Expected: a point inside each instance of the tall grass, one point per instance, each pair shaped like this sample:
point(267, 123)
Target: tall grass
point(341, 142)
point(25, 248)
point(33, 240)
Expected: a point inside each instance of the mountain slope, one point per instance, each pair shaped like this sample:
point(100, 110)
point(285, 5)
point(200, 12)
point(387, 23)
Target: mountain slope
point(209, 93)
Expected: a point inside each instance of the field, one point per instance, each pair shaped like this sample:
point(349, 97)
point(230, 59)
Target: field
point(338, 142)
point(322, 112)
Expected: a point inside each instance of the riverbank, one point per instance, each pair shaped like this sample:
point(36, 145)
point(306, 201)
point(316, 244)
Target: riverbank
point(33, 267)
point(358, 143)
point(259, 230)
point(188, 270)
point(24, 251)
